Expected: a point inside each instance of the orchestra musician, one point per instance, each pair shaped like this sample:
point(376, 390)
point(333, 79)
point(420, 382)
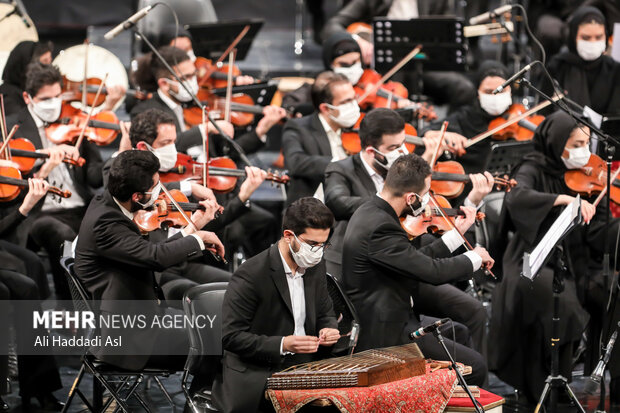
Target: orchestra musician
point(381, 268)
point(55, 219)
point(277, 311)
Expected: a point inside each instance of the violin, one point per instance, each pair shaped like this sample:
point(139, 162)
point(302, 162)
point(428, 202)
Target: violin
point(213, 76)
point(351, 142)
point(386, 96)
point(222, 173)
point(449, 179)
point(592, 179)
point(101, 129)
point(523, 130)
point(72, 91)
point(24, 154)
point(11, 183)
point(165, 214)
point(431, 220)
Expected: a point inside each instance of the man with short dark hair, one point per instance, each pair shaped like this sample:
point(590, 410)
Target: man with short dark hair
point(277, 311)
point(382, 269)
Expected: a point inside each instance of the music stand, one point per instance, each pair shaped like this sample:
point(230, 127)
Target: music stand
point(506, 155)
point(261, 93)
point(212, 39)
point(549, 247)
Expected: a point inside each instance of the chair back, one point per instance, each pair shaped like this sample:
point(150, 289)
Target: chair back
point(346, 315)
point(79, 295)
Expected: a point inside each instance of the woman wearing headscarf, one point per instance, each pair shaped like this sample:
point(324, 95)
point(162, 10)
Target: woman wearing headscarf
point(14, 74)
point(520, 328)
point(588, 75)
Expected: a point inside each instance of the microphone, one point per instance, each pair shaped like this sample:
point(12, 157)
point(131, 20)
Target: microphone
point(422, 331)
point(140, 14)
point(490, 15)
point(355, 331)
point(596, 377)
point(21, 11)
point(514, 77)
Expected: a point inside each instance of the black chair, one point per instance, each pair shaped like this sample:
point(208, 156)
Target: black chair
point(205, 343)
point(115, 380)
point(345, 314)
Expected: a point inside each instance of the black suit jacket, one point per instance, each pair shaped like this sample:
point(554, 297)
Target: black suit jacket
point(86, 178)
point(257, 314)
point(249, 142)
point(306, 155)
point(115, 262)
point(347, 186)
point(381, 269)
point(365, 10)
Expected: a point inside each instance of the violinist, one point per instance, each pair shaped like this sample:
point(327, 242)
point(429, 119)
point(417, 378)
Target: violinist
point(115, 262)
point(55, 219)
point(14, 74)
point(521, 319)
point(353, 181)
point(310, 143)
point(382, 269)
point(38, 374)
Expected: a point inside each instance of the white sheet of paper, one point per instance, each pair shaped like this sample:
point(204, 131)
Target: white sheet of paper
point(615, 46)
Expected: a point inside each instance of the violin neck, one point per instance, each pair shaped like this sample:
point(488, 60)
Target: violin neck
point(385, 94)
point(241, 107)
point(103, 125)
point(450, 212)
point(416, 140)
point(217, 171)
point(188, 206)
point(28, 154)
point(446, 176)
point(13, 181)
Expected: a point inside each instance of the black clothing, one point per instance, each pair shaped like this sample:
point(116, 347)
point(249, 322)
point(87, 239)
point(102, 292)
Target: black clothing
point(307, 153)
point(521, 321)
point(14, 77)
point(257, 313)
point(382, 270)
point(338, 44)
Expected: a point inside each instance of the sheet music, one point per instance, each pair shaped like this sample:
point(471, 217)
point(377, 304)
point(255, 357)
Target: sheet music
point(567, 219)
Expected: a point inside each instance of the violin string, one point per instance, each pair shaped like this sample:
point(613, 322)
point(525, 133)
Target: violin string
point(78, 143)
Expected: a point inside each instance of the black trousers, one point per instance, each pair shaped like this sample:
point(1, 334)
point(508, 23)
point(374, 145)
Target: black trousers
point(38, 374)
point(27, 263)
point(255, 231)
point(176, 280)
point(48, 231)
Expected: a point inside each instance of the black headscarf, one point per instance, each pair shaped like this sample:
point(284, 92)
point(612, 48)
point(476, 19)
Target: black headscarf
point(337, 45)
point(490, 68)
point(169, 32)
point(15, 69)
point(549, 142)
point(585, 14)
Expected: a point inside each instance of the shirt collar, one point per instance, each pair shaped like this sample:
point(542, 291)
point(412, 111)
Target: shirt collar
point(36, 119)
point(287, 269)
point(124, 210)
point(328, 129)
point(168, 101)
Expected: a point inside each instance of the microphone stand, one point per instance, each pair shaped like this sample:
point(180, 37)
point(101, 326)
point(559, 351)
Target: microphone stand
point(610, 149)
point(198, 103)
point(455, 367)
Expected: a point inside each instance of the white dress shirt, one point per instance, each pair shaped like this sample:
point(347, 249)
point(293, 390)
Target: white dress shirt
point(296, 290)
point(176, 108)
point(376, 178)
point(335, 142)
point(59, 177)
point(403, 10)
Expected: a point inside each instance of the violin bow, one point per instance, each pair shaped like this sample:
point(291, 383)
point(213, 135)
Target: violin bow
point(205, 149)
point(465, 242)
point(78, 143)
point(231, 62)
point(390, 73)
point(444, 127)
point(600, 196)
point(188, 220)
point(512, 121)
point(7, 140)
point(232, 45)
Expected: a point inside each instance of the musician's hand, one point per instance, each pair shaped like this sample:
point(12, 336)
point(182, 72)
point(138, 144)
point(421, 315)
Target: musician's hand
point(255, 177)
point(243, 80)
point(37, 188)
point(300, 344)
point(462, 223)
point(70, 151)
point(115, 93)
point(587, 211)
point(455, 143)
point(403, 103)
point(201, 192)
point(431, 140)
point(367, 49)
point(56, 156)
point(487, 261)
point(271, 115)
point(482, 185)
point(212, 242)
point(328, 336)
point(226, 127)
point(125, 143)
point(201, 218)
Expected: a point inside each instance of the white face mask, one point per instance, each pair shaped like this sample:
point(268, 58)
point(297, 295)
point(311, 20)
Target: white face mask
point(591, 50)
point(391, 156)
point(47, 110)
point(349, 113)
point(353, 72)
point(154, 195)
point(191, 55)
point(577, 158)
point(167, 156)
point(495, 104)
point(423, 203)
point(305, 257)
point(181, 95)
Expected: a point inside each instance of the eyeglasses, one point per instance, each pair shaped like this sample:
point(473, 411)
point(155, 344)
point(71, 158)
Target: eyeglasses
point(314, 246)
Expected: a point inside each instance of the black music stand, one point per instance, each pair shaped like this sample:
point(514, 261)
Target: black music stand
point(261, 93)
point(212, 39)
point(506, 155)
point(549, 248)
